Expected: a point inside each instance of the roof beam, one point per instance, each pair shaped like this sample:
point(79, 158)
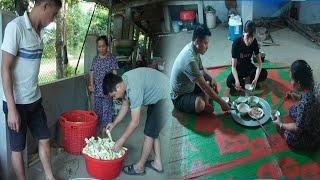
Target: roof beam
point(135, 3)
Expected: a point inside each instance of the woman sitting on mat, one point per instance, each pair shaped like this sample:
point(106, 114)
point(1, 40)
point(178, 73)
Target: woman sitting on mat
point(303, 132)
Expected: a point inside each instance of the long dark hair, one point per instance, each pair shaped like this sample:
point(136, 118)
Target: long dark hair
point(302, 73)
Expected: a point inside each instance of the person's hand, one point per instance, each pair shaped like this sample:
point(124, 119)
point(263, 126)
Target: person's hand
point(14, 120)
point(276, 120)
point(292, 95)
point(238, 86)
point(110, 126)
point(214, 86)
point(91, 88)
point(225, 106)
point(118, 145)
point(254, 84)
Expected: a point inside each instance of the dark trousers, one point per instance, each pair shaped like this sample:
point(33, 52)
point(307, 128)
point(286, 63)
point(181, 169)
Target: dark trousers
point(247, 71)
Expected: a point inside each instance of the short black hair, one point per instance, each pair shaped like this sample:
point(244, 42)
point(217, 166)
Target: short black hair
point(302, 73)
point(250, 28)
point(104, 38)
point(110, 82)
point(57, 3)
point(200, 32)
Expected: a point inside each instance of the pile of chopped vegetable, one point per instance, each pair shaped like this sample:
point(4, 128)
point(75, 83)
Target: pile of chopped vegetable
point(102, 148)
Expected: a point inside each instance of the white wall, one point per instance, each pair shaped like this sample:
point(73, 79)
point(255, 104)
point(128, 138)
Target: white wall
point(268, 8)
point(261, 8)
point(309, 12)
point(90, 51)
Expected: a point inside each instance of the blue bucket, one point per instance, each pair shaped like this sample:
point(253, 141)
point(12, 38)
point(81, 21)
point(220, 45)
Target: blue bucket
point(235, 32)
point(176, 26)
point(235, 27)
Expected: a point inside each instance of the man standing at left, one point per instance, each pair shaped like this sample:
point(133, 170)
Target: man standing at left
point(22, 49)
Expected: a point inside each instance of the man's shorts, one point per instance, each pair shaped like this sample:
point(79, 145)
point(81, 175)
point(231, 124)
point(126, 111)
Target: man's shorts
point(186, 102)
point(157, 115)
point(31, 116)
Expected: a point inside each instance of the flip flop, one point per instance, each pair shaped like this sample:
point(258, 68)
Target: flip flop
point(149, 165)
point(130, 171)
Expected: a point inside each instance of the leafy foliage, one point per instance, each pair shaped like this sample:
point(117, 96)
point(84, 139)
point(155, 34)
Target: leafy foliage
point(7, 5)
point(49, 39)
point(99, 23)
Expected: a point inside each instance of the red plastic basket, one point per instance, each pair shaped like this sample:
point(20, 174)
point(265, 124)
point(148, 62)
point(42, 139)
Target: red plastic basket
point(76, 125)
point(104, 169)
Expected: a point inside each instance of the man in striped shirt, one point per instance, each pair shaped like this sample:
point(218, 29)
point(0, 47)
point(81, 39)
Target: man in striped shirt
point(22, 49)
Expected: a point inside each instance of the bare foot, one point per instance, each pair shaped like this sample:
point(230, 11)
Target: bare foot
point(138, 169)
point(156, 165)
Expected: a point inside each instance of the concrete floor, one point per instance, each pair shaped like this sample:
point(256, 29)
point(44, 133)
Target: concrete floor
point(293, 46)
point(66, 166)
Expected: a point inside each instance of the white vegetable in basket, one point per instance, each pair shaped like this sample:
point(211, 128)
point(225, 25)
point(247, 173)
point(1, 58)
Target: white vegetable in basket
point(102, 148)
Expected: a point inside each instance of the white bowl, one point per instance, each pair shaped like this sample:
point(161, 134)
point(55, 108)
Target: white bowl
point(243, 108)
point(275, 114)
point(253, 100)
point(248, 87)
point(242, 99)
point(226, 99)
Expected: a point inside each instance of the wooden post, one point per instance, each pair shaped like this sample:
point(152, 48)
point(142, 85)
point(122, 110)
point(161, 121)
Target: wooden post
point(145, 47)
point(59, 42)
point(150, 47)
point(126, 29)
point(166, 15)
point(109, 25)
point(135, 48)
point(131, 32)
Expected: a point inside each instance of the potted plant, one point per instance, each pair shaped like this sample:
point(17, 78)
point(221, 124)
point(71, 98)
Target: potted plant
point(210, 17)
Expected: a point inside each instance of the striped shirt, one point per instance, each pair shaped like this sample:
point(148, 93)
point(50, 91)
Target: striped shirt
point(22, 41)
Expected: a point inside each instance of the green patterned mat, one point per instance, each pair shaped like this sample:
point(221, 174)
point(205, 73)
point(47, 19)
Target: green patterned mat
point(216, 147)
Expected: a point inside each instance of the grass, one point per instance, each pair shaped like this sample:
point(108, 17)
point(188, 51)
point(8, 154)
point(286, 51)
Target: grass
point(50, 77)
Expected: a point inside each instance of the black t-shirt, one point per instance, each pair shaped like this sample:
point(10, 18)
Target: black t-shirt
point(243, 53)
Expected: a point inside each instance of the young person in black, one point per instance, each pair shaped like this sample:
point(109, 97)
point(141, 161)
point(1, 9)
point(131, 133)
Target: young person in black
point(242, 67)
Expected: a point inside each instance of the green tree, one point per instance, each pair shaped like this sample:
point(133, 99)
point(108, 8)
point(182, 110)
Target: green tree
point(7, 5)
point(99, 23)
point(77, 23)
point(14, 5)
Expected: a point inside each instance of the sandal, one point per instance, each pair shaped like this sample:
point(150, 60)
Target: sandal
point(131, 171)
